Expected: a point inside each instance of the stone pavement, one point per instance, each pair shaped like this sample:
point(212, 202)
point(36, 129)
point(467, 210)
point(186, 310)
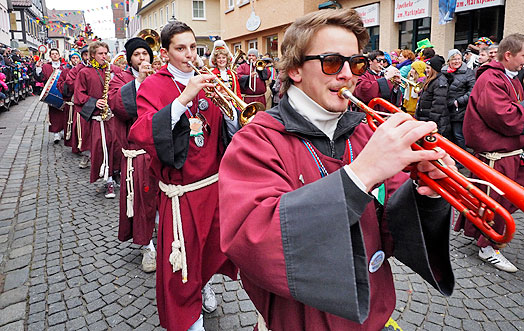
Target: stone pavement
point(62, 267)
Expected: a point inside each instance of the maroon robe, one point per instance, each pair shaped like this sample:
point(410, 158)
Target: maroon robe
point(77, 119)
point(243, 72)
point(67, 94)
point(89, 88)
point(494, 122)
point(122, 101)
point(57, 117)
point(303, 244)
point(368, 87)
point(175, 159)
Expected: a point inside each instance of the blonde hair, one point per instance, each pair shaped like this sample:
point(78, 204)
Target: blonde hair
point(220, 51)
point(298, 37)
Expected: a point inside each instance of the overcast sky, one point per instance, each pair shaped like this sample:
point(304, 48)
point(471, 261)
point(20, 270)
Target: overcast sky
point(101, 20)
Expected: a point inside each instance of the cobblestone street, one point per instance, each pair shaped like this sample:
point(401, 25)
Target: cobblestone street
point(63, 268)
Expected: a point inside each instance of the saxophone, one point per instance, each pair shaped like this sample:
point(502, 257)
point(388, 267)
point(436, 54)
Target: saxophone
point(106, 112)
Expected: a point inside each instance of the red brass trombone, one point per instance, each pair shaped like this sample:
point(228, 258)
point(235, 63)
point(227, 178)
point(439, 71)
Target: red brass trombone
point(473, 203)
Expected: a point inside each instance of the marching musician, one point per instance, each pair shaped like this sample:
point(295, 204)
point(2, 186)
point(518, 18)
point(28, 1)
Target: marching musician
point(184, 133)
point(57, 119)
point(79, 138)
point(221, 58)
point(67, 93)
point(380, 81)
point(301, 220)
point(252, 81)
point(494, 128)
point(138, 197)
point(91, 103)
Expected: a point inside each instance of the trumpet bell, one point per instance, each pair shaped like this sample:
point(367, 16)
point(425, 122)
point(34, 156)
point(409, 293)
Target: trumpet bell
point(250, 111)
point(151, 37)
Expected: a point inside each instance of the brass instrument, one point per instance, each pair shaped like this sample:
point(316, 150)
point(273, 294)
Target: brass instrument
point(106, 114)
point(248, 111)
point(152, 38)
point(260, 65)
point(405, 82)
point(238, 54)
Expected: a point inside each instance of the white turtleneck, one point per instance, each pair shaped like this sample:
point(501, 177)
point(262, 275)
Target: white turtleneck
point(326, 121)
point(511, 74)
point(135, 74)
point(55, 65)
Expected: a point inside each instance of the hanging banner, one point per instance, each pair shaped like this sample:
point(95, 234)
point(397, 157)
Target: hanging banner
point(369, 14)
point(406, 10)
point(464, 5)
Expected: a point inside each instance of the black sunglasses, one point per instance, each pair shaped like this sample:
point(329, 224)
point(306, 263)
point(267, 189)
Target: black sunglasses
point(382, 60)
point(332, 64)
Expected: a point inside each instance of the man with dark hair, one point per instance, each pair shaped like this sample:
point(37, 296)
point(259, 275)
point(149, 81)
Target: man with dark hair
point(252, 80)
point(298, 185)
point(427, 53)
point(494, 128)
point(138, 205)
point(380, 81)
point(185, 135)
point(91, 103)
point(57, 119)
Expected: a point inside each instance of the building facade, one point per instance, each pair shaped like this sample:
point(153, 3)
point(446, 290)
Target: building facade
point(5, 36)
point(64, 27)
point(391, 23)
point(27, 28)
point(203, 16)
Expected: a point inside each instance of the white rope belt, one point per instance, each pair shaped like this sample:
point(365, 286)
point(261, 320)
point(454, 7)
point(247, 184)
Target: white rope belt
point(104, 168)
point(69, 120)
point(178, 250)
point(495, 156)
point(130, 154)
point(79, 130)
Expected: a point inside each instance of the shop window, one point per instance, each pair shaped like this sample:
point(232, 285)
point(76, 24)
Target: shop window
point(236, 47)
point(373, 39)
point(471, 25)
point(252, 44)
point(272, 46)
point(413, 31)
point(201, 50)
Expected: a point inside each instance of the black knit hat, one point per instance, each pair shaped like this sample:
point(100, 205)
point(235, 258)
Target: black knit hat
point(436, 62)
point(135, 43)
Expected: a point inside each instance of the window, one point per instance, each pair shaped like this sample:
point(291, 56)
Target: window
point(236, 47)
point(201, 50)
point(373, 38)
point(272, 46)
point(156, 21)
point(161, 15)
point(150, 25)
point(173, 11)
point(413, 31)
point(199, 11)
point(231, 3)
point(167, 14)
point(252, 44)
point(474, 24)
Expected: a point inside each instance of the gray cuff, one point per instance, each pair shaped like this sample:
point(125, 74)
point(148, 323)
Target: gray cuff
point(128, 94)
point(317, 224)
point(88, 109)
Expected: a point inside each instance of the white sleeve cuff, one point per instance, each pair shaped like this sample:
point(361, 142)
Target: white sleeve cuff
point(38, 70)
point(232, 124)
point(176, 111)
point(355, 179)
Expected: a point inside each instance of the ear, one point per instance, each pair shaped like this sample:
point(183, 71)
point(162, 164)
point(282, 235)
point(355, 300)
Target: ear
point(163, 52)
point(295, 74)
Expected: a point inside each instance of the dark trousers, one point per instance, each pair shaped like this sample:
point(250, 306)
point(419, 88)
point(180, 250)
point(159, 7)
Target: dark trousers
point(458, 136)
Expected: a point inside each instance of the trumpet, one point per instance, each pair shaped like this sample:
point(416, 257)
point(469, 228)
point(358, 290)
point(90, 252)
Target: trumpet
point(247, 111)
point(475, 205)
point(405, 82)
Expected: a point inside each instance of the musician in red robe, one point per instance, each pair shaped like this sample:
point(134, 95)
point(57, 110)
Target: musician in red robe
point(89, 102)
point(67, 93)
point(494, 128)
point(185, 135)
point(139, 194)
point(57, 119)
point(252, 81)
point(299, 213)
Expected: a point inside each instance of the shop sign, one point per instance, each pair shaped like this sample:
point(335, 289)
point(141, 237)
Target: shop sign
point(369, 14)
point(464, 5)
point(406, 10)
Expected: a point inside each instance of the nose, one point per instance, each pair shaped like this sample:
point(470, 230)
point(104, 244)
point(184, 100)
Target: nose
point(345, 73)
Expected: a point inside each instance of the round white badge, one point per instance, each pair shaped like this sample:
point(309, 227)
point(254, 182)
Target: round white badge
point(376, 261)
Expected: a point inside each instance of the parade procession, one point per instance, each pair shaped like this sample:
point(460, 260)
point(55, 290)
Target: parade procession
point(262, 165)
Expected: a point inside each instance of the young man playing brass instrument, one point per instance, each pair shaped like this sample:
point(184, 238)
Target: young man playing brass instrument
point(301, 220)
point(91, 103)
point(185, 134)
